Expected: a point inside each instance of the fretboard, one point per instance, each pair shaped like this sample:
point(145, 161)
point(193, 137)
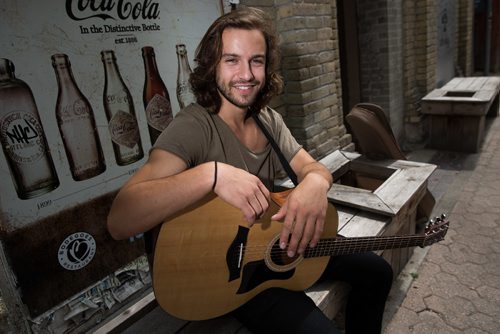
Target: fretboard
point(342, 246)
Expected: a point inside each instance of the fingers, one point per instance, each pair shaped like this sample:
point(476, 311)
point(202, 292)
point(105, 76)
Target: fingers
point(299, 230)
point(287, 228)
point(243, 191)
point(256, 206)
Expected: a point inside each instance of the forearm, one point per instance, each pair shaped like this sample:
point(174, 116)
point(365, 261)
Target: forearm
point(319, 172)
point(140, 206)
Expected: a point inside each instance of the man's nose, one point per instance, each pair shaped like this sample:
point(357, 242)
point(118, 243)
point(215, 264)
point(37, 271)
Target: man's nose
point(246, 71)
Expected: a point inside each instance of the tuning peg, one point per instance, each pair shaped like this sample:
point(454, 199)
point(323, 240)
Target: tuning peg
point(443, 216)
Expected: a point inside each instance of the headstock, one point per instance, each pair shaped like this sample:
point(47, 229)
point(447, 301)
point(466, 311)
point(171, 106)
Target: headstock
point(435, 230)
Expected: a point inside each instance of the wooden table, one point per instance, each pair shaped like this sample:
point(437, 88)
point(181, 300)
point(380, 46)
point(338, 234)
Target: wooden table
point(457, 112)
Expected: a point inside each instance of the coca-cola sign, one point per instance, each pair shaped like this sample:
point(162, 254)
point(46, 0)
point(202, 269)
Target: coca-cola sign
point(58, 152)
point(79, 10)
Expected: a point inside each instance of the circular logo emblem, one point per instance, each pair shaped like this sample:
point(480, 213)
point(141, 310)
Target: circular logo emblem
point(21, 135)
point(76, 251)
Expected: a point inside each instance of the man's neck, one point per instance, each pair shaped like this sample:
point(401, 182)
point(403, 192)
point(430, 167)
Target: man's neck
point(244, 128)
point(233, 116)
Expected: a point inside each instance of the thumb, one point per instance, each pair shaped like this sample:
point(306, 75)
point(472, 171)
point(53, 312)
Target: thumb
point(280, 215)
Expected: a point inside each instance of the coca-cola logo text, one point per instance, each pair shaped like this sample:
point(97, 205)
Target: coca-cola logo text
point(79, 10)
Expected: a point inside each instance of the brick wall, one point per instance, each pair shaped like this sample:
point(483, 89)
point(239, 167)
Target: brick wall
point(381, 60)
point(398, 60)
point(420, 60)
point(310, 103)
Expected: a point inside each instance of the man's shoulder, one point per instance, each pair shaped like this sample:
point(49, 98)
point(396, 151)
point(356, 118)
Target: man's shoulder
point(271, 117)
point(193, 114)
point(194, 110)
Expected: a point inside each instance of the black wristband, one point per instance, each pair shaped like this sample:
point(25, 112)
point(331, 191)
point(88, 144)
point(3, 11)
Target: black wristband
point(215, 176)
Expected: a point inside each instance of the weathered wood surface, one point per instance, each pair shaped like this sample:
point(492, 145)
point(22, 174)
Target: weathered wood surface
point(457, 112)
point(462, 96)
point(404, 180)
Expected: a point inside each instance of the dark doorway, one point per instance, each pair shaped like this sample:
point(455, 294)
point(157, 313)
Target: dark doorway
point(349, 53)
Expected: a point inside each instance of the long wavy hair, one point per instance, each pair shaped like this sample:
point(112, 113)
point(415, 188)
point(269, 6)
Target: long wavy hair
point(209, 53)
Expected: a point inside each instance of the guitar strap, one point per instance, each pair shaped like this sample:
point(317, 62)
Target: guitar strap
point(284, 162)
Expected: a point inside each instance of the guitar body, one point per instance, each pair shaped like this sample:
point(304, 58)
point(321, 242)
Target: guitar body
point(208, 262)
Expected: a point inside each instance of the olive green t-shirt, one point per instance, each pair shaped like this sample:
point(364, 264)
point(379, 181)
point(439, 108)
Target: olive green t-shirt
point(197, 136)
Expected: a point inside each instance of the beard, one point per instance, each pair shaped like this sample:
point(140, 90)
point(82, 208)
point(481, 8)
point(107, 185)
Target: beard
point(240, 101)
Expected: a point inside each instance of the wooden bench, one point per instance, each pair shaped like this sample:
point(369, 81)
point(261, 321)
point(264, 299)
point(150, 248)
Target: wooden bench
point(457, 112)
point(372, 198)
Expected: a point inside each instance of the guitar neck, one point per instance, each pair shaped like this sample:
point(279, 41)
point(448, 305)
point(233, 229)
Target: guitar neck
point(342, 246)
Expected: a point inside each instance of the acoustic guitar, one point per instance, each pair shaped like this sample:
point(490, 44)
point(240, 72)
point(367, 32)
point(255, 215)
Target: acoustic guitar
point(207, 262)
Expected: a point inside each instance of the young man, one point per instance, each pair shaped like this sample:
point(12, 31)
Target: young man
point(216, 146)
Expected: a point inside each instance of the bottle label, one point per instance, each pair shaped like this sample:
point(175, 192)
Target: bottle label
point(159, 112)
point(123, 129)
point(185, 95)
point(80, 138)
point(22, 137)
point(76, 110)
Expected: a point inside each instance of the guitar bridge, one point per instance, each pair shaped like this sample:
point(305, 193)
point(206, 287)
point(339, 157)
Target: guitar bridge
point(236, 253)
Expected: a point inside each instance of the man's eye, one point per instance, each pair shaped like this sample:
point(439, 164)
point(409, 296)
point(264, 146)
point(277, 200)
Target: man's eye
point(231, 60)
point(258, 61)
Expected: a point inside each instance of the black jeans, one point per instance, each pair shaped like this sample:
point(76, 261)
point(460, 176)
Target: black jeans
point(278, 310)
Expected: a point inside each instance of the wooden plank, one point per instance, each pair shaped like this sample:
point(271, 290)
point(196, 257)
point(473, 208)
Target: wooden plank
point(365, 224)
point(477, 83)
point(452, 108)
point(451, 84)
point(486, 95)
point(460, 133)
point(336, 162)
point(358, 198)
point(394, 164)
point(453, 98)
point(469, 109)
point(434, 94)
point(493, 83)
point(371, 201)
point(378, 171)
point(345, 214)
point(403, 186)
point(463, 83)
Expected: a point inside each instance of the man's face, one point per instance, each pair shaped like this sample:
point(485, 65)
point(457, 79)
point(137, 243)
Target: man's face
point(241, 70)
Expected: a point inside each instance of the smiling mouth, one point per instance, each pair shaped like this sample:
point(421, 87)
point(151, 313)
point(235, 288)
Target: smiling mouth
point(245, 87)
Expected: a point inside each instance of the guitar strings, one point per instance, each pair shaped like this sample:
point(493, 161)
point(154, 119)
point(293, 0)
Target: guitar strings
point(339, 246)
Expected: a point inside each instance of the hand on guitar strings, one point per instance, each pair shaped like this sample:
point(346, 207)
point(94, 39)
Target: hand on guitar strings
point(303, 216)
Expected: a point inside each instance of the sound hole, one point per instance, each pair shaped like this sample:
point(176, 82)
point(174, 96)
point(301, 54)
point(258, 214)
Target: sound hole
point(280, 257)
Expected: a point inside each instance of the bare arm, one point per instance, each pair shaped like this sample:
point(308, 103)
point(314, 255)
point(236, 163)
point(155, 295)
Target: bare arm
point(304, 212)
point(164, 185)
point(160, 188)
